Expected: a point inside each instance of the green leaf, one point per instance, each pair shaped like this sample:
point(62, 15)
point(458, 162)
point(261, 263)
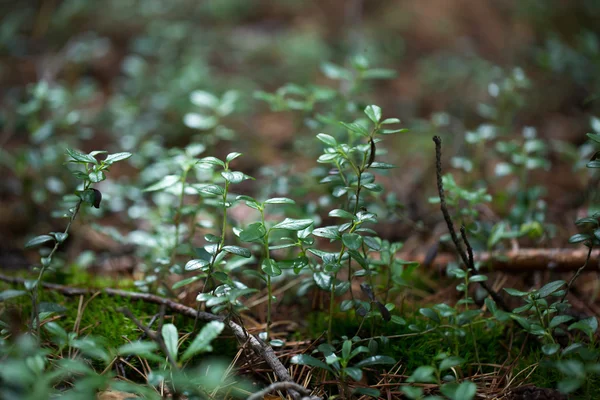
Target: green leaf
point(305, 359)
point(200, 121)
point(327, 139)
point(210, 189)
point(478, 278)
point(579, 237)
point(550, 288)
point(515, 292)
point(185, 282)
point(253, 232)
point(356, 127)
point(328, 232)
point(170, 337)
point(232, 156)
point(280, 200)
point(322, 280)
point(549, 349)
point(235, 176)
point(237, 250)
point(201, 343)
point(211, 161)
point(164, 183)
point(354, 373)
point(10, 293)
point(374, 113)
point(346, 349)
point(81, 158)
point(97, 176)
point(381, 165)
point(375, 360)
point(352, 240)
point(423, 374)
point(450, 362)
point(412, 392)
point(464, 391)
point(594, 136)
point(113, 158)
point(137, 348)
point(293, 224)
point(431, 314)
point(270, 267)
point(559, 319)
point(36, 241)
point(193, 265)
point(339, 213)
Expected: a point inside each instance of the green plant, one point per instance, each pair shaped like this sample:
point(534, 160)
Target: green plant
point(92, 172)
point(340, 367)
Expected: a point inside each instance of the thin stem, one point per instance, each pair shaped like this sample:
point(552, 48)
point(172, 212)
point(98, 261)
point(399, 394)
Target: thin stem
point(576, 275)
point(178, 216)
point(269, 288)
point(35, 321)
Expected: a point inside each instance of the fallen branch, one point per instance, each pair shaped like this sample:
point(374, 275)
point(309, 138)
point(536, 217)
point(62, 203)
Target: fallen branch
point(261, 348)
point(518, 261)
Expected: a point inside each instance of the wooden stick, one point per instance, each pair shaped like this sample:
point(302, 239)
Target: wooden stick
point(519, 261)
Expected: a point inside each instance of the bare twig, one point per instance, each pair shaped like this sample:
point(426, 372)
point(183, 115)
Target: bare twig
point(279, 386)
point(155, 336)
point(258, 346)
point(468, 261)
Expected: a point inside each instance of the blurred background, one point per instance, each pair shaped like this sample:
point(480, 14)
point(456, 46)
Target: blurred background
point(263, 77)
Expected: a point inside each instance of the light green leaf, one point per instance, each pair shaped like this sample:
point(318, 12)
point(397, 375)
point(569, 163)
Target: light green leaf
point(293, 224)
point(170, 337)
point(164, 183)
point(113, 158)
point(11, 293)
point(201, 343)
point(280, 200)
point(374, 113)
point(327, 139)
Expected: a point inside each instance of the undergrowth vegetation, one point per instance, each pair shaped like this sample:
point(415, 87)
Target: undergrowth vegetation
point(250, 280)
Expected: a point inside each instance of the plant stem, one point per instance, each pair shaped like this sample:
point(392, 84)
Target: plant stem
point(35, 321)
point(178, 216)
point(269, 288)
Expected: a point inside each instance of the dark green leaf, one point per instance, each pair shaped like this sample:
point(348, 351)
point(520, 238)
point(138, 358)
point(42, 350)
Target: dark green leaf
point(36, 241)
point(253, 232)
point(80, 157)
point(305, 359)
point(352, 240)
point(270, 267)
